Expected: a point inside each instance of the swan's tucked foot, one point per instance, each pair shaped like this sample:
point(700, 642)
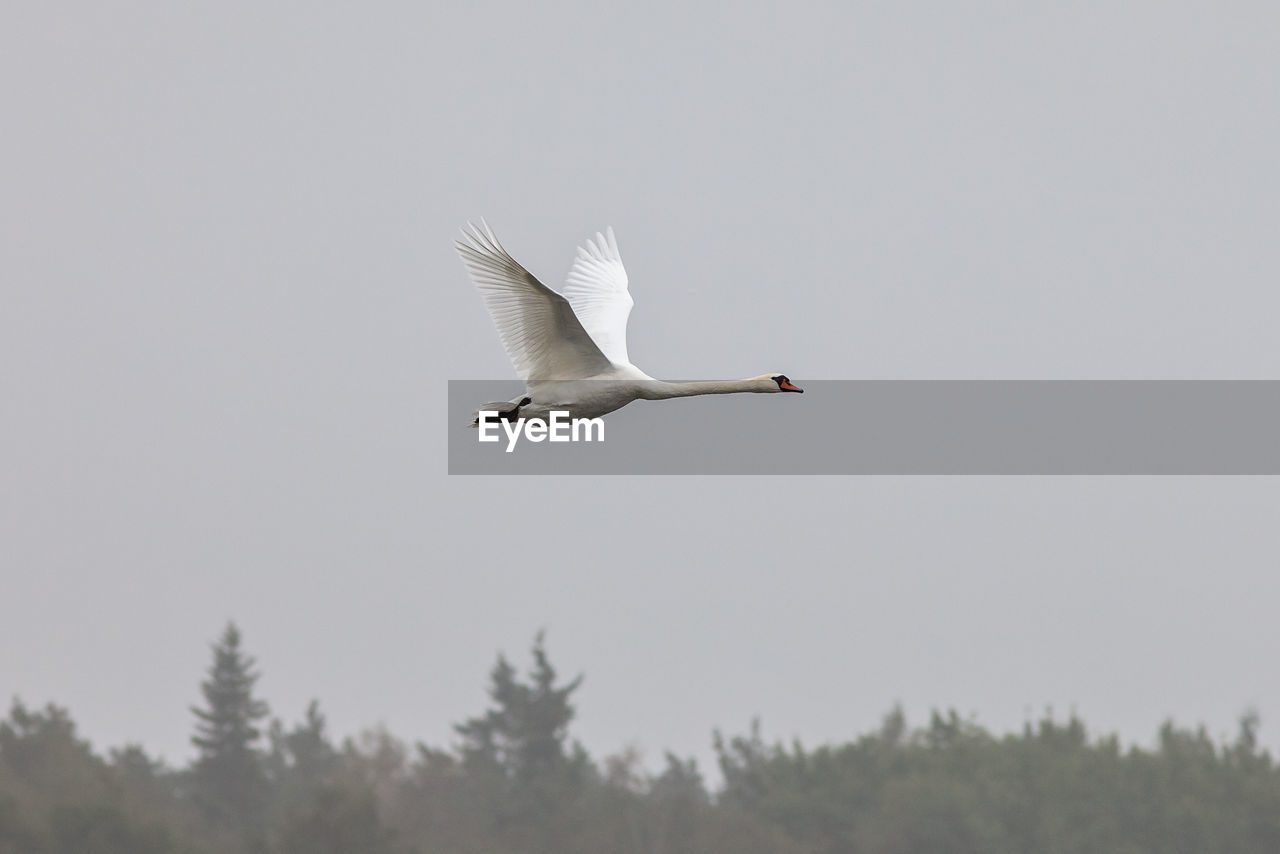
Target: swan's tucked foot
point(508, 410)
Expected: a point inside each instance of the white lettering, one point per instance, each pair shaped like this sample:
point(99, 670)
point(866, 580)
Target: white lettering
point(485, 424)
point(586, 424)
point(558, 427)
point(513, 432)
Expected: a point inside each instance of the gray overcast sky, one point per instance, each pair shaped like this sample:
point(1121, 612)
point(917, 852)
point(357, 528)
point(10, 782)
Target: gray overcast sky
point(230, 305)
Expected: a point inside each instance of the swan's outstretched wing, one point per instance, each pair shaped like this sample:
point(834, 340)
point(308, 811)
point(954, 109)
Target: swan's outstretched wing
point(537, 326)
point(597, 290)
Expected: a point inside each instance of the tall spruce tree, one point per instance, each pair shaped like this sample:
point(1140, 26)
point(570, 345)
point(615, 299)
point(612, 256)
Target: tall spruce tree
point(228, 776)
point(527, 781)
point(300, 760)
point(523, 735)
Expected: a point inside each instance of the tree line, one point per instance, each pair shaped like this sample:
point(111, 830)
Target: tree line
point(516, 782)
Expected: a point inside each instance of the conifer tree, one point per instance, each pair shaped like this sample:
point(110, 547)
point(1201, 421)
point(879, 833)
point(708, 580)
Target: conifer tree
point(228, 775)
point(300, 760)
point(516, 753)
point(524, 733)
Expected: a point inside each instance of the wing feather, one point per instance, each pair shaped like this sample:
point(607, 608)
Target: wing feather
point(538, 327)
point(597, 290)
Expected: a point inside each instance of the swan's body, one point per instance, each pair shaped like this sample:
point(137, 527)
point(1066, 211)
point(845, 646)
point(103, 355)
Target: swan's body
point(571, 349)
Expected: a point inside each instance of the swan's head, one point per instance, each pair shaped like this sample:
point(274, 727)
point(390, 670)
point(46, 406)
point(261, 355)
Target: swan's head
point(781, 383)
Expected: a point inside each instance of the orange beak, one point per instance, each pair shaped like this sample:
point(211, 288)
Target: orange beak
point(788, 386)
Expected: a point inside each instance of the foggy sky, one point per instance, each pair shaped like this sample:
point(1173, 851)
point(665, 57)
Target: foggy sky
point(229, 306)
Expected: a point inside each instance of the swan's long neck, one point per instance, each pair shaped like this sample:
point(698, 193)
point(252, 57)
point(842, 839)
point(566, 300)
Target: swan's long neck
point(659, 390)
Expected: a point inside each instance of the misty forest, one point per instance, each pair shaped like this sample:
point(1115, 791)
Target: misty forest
point(516, 781)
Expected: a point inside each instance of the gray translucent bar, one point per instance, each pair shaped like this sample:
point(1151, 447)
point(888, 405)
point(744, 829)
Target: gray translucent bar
point(908, 427)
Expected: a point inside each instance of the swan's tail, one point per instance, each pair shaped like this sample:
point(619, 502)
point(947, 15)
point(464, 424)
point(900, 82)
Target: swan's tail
point(508, 410)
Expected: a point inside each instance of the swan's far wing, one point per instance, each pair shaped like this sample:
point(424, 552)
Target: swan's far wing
point(537, 326)
point(597, 290)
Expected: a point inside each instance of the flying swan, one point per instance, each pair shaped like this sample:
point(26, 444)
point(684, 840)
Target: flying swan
point(571, 348)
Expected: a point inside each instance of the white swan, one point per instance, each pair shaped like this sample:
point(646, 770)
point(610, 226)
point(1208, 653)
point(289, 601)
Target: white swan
point(571, 349)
